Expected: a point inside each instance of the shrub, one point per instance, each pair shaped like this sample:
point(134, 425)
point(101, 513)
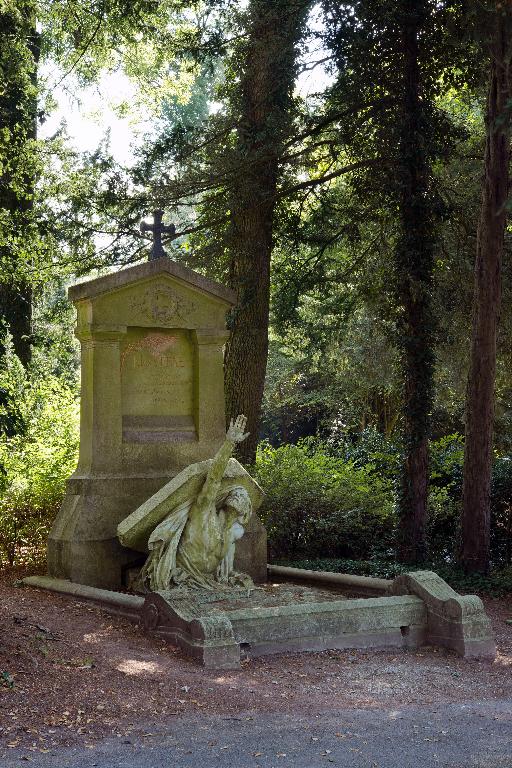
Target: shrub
point(369, 449)
point(320, 505)
point(442, 523)
point(501, 510)
point(36, 458)
point(381, 456)
point(445, 501)
point(336, 500)
point(447, 462)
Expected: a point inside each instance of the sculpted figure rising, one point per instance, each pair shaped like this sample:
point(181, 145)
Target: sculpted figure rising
point(195, 544)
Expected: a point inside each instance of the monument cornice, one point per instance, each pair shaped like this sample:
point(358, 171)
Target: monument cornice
point(164, 266)
point(93, 331)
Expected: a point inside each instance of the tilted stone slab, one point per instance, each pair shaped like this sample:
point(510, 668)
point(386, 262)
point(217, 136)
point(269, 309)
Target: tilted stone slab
point(135, 530)
point(454, 621)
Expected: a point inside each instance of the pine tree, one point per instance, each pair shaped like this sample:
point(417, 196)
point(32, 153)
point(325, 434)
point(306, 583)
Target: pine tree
point(394, 60)
point(487, 293)
point(262, 100)
point(18, 119)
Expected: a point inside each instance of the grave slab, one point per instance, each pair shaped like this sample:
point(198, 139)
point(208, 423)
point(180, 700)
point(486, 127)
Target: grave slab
point(219, 630)
point(418, 608)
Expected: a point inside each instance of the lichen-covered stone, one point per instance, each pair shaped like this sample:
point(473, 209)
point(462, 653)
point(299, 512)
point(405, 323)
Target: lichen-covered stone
point(152, 403)
point(458, 622)
point(285, 618)
point(135, 530)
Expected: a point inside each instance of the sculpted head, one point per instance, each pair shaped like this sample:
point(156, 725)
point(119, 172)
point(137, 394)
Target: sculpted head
point(238, 502)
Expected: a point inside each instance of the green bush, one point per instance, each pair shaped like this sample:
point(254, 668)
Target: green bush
point(337, 500)
point(377, 568)
point(442, 523)
point(447, 462)
point(371, 450)
point(445, 501)
point(36, 457)
point(321, 505)
point(501, 510)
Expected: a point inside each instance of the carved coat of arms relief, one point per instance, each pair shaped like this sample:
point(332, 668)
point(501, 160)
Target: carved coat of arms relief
point(162, 304)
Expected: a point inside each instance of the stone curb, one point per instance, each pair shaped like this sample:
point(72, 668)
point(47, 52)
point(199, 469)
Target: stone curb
point(446, 618)
point(129, 606)
point(328, 577)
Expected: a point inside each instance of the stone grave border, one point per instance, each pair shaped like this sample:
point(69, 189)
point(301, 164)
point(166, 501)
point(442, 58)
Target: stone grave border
point(414, 609)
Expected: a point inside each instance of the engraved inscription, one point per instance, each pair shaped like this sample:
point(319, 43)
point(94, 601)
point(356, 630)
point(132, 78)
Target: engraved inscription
point(157, 344)
point(157, 378)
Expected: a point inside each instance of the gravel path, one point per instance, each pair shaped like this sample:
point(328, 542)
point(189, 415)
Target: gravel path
point(79, 678)
point(477, 735)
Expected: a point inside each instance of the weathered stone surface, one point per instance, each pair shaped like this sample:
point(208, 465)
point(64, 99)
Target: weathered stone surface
point(208, 639)
point(124, 277)
point(129, 606)
point(152, 340)
point(458, 622)
point(423, 609)
point(289, 618)
point(191, 526)
point(251, 551)
point(218, 629)
point(364, 586)
point(135, 530)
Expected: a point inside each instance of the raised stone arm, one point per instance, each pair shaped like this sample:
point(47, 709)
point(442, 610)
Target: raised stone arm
point(208, 492)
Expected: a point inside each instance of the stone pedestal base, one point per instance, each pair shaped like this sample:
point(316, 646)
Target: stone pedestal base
point(83, 545)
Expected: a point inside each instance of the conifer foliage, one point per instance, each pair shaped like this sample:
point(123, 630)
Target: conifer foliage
point(394, 62)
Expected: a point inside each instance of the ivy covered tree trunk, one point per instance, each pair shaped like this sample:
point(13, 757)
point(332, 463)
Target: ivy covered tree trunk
point(414, 257)
point(263, 102)
point(486, 302)
point(18, 115)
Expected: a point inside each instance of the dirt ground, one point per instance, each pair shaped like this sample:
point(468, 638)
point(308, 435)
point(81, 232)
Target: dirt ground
point(71, 673)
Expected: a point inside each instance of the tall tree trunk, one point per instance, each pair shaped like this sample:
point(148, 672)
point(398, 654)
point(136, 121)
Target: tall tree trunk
point(264, 103)
point(486, 303)
point(414, 259)
point(18, 116)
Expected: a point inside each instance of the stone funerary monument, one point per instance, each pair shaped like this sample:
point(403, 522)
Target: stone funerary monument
point(152, 339)
point(158, 502)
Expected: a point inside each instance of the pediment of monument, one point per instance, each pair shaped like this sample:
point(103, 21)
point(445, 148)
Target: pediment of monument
point(160, 293)
point(147, 272)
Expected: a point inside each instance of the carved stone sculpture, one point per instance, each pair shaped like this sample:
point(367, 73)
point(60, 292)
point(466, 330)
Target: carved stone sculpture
point(193, 544)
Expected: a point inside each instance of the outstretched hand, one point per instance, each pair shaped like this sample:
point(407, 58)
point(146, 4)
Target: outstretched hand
point(235, 432)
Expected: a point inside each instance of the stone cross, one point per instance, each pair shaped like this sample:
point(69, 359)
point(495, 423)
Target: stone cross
point(157, 228)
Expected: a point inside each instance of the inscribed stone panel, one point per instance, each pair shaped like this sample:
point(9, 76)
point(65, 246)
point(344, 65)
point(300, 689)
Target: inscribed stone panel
point(157, 385)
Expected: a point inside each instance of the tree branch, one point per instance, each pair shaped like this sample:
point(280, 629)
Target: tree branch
point(329, 176)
